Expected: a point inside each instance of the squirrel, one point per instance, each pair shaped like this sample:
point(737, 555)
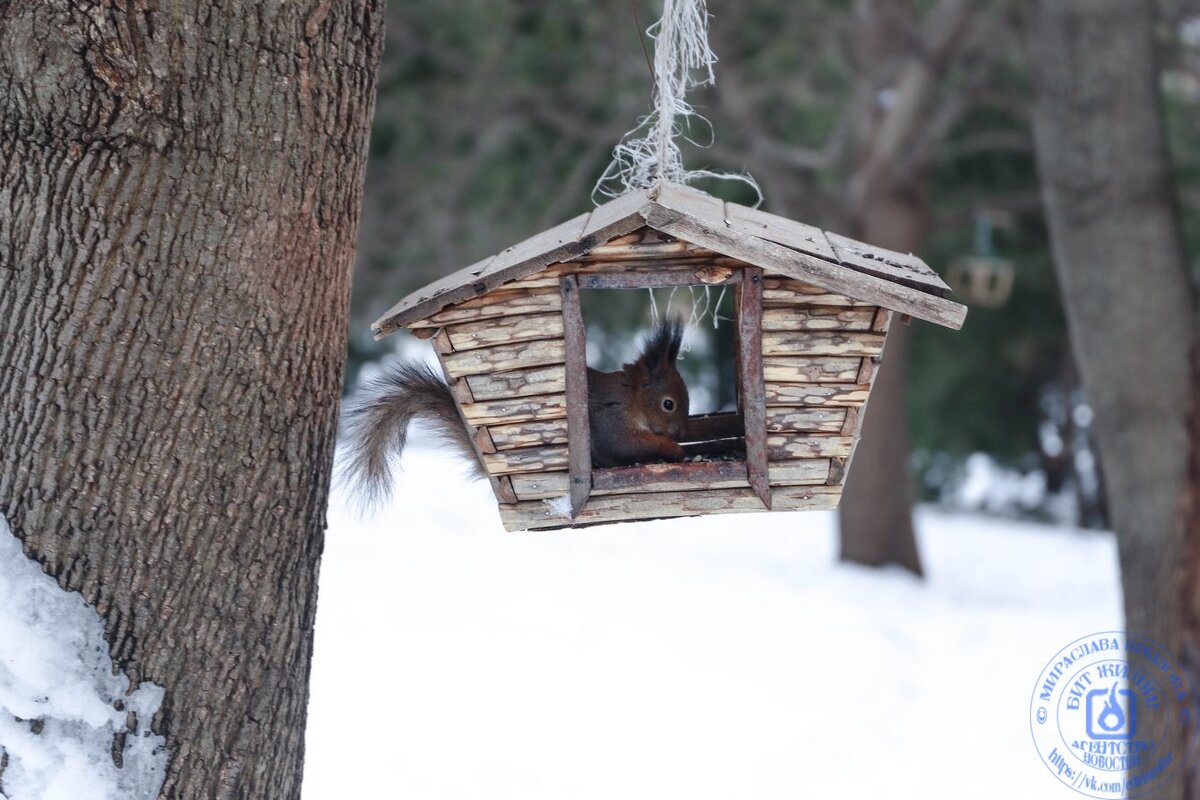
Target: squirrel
point(640, 412)
point(636, 414)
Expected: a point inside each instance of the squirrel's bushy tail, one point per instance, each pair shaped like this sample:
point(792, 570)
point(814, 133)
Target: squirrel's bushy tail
point(377, 427)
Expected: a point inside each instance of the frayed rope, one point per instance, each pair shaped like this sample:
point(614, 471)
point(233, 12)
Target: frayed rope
point(648, 155)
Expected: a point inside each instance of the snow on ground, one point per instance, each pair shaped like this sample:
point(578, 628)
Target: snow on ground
point(59, 697)
point(719, 657)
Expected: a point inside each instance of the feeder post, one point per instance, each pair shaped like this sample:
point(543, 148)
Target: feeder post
point(750, 379)
point(579, 438)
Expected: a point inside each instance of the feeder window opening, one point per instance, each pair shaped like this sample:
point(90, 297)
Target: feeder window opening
point(664, 362)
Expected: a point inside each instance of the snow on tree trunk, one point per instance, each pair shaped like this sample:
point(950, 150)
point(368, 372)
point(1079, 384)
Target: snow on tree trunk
point(179, 197)
point(70, 728)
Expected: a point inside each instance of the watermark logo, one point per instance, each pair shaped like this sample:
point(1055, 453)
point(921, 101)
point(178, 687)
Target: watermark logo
point(1111, 715)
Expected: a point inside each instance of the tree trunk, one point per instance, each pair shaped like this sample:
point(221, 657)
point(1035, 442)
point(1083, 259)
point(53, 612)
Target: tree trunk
point(876, 509)
point(903, 56)
point(179, 197)
point(1129, 300)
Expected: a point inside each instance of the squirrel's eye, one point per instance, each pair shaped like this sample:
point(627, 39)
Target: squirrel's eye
point(668, 404)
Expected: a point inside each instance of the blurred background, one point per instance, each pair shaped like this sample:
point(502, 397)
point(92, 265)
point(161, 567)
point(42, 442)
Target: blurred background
point(734, 656)
point(495, 118)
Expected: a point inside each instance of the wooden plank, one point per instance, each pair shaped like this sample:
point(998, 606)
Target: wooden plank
point(483, 440)
point(787, 292)
point(723, 448)
point(516, 409)
point(505, 357)
point(791, 285)
point(526, 257)
point(441, 344)
point(526, 459)
point(502, 492)
point(547, 278)
point(782, 298)
point(750, 369)
point(547, 485)
point(811, 369)
point(506, 330)
point(617, 217)
point(500, 303)
point(518, 383)
point(540, 485)
point(683, 476)
point(721, 425)
point(642, 234)
point(866, 372)
point(780, 230)
point(460, 390)
point(638, 252)
point(800, 472)
point(702, 264)
point(852, 423)
point(793, 264)
point(678, 486)
point(806, 498)
point(579, 438)
point(818, 318)
point(822, 343)
point(808, 394)
point(693, 202)
point(883, 320)
point(528, 434)
point(454, 288)
point(788, 419)
point(783, 447)
point(617, 508)
point(535, 514)
point(572, 238)
point(556, 244)
point(666, 250)
point(701, 276)
point(903, 268)
point(641, 244)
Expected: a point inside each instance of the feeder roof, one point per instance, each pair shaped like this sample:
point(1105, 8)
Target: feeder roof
point(898, 281)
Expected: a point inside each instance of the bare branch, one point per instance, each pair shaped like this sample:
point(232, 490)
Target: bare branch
point(913, 94)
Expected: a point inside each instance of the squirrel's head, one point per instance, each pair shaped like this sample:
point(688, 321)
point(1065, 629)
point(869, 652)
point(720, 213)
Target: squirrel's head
point(661, 396)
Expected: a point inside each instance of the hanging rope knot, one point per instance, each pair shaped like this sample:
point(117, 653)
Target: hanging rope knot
point(649, 154)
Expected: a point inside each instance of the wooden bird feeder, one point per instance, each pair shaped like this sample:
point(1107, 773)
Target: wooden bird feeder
point(813, 310)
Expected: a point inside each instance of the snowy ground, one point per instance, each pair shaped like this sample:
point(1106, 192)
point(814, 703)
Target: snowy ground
point(723, 657)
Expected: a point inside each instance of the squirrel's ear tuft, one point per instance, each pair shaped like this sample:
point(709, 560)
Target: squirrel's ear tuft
point(676, 341)
point(662, 347)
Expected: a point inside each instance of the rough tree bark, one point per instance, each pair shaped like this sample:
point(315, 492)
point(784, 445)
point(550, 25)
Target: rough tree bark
point(179, 198)
point(876, 511)
point(1129, 299)
point(889, 207)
